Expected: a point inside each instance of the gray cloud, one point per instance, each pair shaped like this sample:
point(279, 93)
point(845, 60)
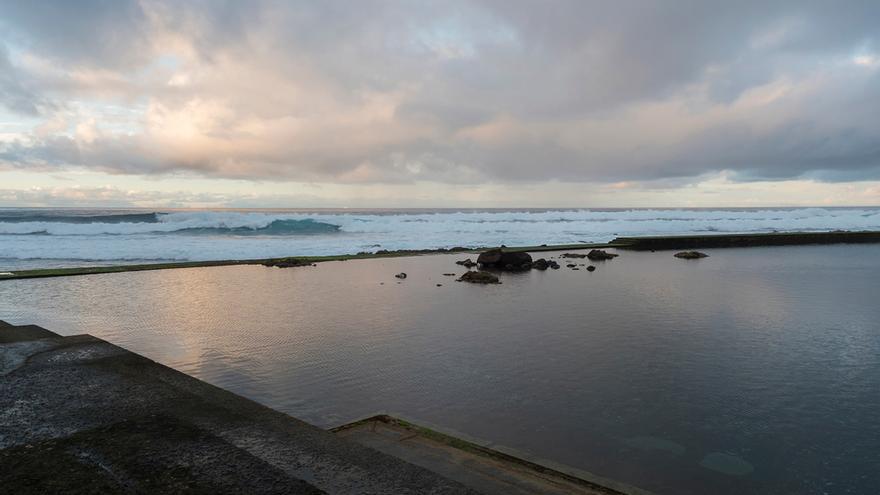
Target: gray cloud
point(14, 93)
point(93, 32)
point(461, 91)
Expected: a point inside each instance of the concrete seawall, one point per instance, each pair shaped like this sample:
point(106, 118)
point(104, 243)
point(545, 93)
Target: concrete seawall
point(81, 415)
point(745, 240)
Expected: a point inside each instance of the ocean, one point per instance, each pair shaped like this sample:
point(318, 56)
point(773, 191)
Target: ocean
point(42, 237)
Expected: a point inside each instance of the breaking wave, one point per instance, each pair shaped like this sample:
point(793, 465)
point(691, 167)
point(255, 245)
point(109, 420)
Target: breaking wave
point(184, 223)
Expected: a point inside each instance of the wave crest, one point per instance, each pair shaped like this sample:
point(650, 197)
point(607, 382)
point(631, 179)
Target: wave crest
point(276, 227)
point(183, 223)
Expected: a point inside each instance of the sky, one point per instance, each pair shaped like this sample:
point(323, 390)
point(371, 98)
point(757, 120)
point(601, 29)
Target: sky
point(493, 103)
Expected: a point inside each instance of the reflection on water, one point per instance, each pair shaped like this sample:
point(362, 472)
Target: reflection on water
point(752, 371)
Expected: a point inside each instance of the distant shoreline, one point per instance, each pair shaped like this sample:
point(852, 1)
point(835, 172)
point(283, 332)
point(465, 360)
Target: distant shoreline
point(640, 243)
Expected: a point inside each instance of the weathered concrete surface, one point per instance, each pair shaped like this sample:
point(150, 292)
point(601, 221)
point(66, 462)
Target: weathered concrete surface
point(487, 470)
point(744, 240)
point(80, 415)
point(12, 333)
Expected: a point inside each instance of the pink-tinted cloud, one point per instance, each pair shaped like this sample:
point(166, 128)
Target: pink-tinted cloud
point(460, 93)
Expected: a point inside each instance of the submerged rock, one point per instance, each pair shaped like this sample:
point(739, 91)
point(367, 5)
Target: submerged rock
point(727, 463)
point(573, 255)
point(600, 255)
point(502, 260)
point(401, 275)
point(479, 278)
point(691, 255)
point(648, 443)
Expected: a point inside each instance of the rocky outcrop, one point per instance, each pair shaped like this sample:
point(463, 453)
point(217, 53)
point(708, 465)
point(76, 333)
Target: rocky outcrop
point(691, 255)
point(504, 260)
point(478, 277)
point(600, 255)
point(468, 263)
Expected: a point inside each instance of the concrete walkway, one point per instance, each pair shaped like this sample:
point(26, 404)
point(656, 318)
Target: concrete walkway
point(80, 415)
point(489, 471)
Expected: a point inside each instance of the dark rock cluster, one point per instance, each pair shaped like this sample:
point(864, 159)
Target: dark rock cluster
point(505, 260)
point(573, 255)
point(499, 259)
point(542, 264)
point(478, 277)
point(600, 255)
point(690, 255)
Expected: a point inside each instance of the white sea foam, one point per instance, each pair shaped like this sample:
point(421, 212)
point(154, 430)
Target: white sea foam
point(205, 235)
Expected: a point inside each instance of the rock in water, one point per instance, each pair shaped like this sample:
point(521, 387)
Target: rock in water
point(479, 278)
point(491, 257)
point(690, 255)
point(401, 275)
point(573, 255)
point(502, 260)
point(540, 264)
point(600, 255)
point(591, 268)
point(468, 263)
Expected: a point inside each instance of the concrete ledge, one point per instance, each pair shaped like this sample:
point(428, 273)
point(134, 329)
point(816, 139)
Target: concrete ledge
point(151, 454)
point(80, 415)
point(484, 469)
point(14, 333)
point(745, 240)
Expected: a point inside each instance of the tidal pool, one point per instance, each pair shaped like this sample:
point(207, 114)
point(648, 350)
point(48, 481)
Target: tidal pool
point(752, 371)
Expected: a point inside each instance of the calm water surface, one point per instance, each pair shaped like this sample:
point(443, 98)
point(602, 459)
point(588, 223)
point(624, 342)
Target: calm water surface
point(752, 371)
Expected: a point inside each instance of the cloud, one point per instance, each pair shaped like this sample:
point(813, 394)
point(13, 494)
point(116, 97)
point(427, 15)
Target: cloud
point(14, 93)
point(459, 92)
